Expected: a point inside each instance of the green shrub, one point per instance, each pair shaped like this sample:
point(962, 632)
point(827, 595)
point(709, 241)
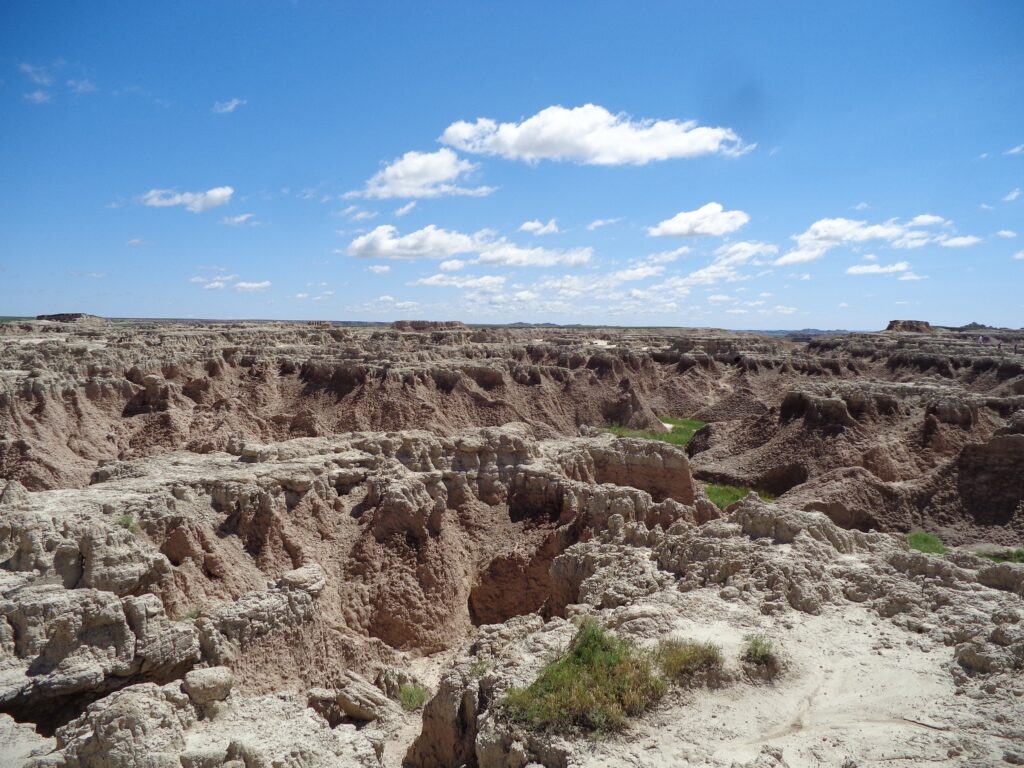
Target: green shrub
point(926, 542)
point(682, 431)
point(596, 685)
point(412, 697)
point(759, 649)
point(127, 522)
point(689, 663)
point(724, 495)
point(760, 657)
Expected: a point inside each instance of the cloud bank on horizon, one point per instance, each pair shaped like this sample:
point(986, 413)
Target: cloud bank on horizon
point(591, 195)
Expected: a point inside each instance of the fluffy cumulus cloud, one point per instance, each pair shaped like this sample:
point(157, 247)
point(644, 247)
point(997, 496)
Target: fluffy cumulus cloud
point(197, 202)
point(539, 228)
point(1007, 233)
point(433, 242)
point(422, 175)
point(1012, 195)
point(826, 234)
point(711, 219)
point(591, 135)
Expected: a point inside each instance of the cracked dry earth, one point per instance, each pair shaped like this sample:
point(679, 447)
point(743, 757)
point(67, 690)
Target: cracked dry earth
point(243, 544)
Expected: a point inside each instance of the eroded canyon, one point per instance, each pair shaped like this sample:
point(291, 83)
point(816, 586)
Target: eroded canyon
point(258, 544)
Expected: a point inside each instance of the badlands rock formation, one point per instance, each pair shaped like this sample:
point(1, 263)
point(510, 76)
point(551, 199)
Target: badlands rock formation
point(251, 544)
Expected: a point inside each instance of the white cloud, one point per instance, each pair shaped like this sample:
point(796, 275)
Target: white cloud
point(826, 234)
point(511, 255)
point(37, 75)
point(197, 202)
point(1006, 233)
point(432, 242)
point(878, 269)
point(926, 220)
point(1018, 150)
point(1019, 255)
point(380, 269)
point(227, 107)
point(912, 276)
point(719, 297)
point(198, 280)
point(400, 212)
point(961, 241)
point(235, 221)
point(785, 310)
point(1012, 195)
point(38, 97)
point(214, 285)
point(843, 305)
point(737, 311)
point(483, 283)
point(986, 207)
point(355, 213)
point(422, 175)
point(741, 252)
point(81, 86)
point(244, 287)
point(667, 257)
point(598, 223)
point(539, 228)
point(301, 296)
point(591, 135)
point(710, 219)
point(633, 274)
point(862, 206)
point(136, 242)
point(452, 265)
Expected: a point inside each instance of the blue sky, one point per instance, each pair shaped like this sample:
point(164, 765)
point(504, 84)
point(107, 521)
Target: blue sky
point(740, 165)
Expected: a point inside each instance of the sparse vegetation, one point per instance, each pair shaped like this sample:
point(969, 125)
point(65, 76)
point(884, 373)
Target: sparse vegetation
point(759, 654)
point(194, 612)
point(1008, 556)
point(688, 662)
point(412, 697)
point(926, 542)
point(595, 686)
point(127, 522)
point(682, 431)
point(724, 495)
point(480, 667)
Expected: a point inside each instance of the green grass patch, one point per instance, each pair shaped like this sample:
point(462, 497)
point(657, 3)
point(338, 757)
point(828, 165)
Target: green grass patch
point(127, 522)
point(926, 542)
point(724, 495)
point(1009, 556)
point(688, 662)
point(682, 431)
point(412, 697)
point(596, 685)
